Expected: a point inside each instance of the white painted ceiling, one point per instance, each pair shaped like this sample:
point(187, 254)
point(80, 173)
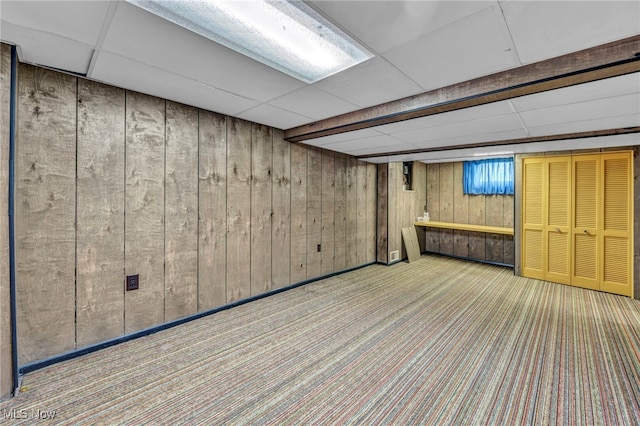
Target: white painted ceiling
point(418, 46)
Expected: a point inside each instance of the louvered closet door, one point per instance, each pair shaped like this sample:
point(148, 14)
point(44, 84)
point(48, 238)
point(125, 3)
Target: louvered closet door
point(586, 201)
point(533, 247)
point(558, 215)
point(616, 225)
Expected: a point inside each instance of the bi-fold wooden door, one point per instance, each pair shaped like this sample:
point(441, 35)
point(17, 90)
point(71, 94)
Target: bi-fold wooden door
point(577, 220)
point(546, 218)
point(617, 223)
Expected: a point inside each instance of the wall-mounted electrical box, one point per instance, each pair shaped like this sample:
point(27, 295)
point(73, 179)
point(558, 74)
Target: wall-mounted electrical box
point(133, 282)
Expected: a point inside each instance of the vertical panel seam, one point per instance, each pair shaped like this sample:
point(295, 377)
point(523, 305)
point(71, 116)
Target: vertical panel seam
point(124, 220)
point(198, 214)
point(164, 219)
point(75, 230)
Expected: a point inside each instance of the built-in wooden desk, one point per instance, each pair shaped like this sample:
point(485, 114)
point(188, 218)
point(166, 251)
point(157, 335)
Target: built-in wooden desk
point(467, 227)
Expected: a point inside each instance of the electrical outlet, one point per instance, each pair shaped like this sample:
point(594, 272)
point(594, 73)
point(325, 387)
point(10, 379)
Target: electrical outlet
point(394, 255)
point(133, 282)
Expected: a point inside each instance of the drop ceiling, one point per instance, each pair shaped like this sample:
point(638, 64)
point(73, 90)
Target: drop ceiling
point(418, 45)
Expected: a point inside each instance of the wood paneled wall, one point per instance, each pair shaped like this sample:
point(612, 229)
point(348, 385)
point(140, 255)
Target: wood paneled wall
point(398, 208)
point(6, 381)
point(206, 209)
point(447, 203)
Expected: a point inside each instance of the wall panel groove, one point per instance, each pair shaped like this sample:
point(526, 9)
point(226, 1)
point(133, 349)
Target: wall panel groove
point(238, 209)
point(45, 200)
point(100, 213)
point(261, 163)
point(144, 210)
point(181, 211)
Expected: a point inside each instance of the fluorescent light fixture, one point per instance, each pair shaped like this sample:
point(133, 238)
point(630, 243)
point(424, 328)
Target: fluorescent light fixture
point(286, 35)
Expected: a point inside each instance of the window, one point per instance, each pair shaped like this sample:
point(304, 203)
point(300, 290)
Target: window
point(490, 176)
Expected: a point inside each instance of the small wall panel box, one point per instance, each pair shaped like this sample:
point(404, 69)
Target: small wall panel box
point(132, 282)
point(394, 255)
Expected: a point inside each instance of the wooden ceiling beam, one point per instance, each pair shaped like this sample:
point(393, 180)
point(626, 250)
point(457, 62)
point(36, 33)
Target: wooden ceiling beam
point(608, 60)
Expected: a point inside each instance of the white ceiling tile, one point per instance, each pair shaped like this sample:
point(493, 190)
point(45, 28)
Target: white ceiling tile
point(324, 105)
point(76, 20)
point(545, 29)
point(380, 142)
point(385, 24)
point(341, 137)
point(458, 116)
point(589, 110)
point(400, 146)
point(50, 50)
point(582, 92)
point(473, 127)
point(630, 120)
point(147, 38)
point(469, 48)
point(452, 140)
point(274, 116)
point(129, 74)
point(370, 83)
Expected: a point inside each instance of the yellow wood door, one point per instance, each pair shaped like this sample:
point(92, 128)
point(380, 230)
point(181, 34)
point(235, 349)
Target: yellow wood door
point(533, 247)
point(586, 202)
point(558, 219)
point(616, 223)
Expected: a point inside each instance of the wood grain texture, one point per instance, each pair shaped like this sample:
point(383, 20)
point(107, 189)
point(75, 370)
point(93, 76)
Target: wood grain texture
point(494, 216)
point(383, 214)
point(144, 210)
point(281, 219)
point(393, 227)
point(261, 163)
point(361, 211)
point(212, 210)
point(517, 217)
point(340, 255)
point(420, 186)
point(45, 203)
point(432, 242)
point(328, 211)
point(6, 379)
point(238, 209)
point(410, 240)
point(508, 221)
point(446, 206)
point(406, 214)
point(298, 213)
point(181, 212)
point(371, 210)
point(314, 212)
point(477, 245)
point(100, 213)
point(460, 212)
point(352, 213)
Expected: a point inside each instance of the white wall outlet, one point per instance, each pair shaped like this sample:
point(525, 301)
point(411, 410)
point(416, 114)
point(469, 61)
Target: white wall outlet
point(394, 255)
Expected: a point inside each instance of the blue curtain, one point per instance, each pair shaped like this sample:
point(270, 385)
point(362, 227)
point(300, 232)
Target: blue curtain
point(490, 176)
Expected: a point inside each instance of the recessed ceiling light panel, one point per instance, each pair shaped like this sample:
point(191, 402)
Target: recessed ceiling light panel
point(286, 35)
